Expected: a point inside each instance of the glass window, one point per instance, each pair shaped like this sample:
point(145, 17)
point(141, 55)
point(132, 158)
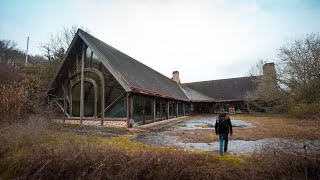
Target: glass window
point(88, 57)
point(76, 100)
point(172, 108)
point(138, 109)
point(88, 99)
point(158, 109)
point(96, 64)
point(148, 110)
point(180, 109)
point(164, 108)
point(118, 110)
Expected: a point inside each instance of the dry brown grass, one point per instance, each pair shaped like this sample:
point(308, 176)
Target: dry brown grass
point(39, 150)
point(268, 126)
point(13, 97)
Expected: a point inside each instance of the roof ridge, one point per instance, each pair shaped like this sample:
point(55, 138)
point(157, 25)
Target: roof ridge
point(223, 79)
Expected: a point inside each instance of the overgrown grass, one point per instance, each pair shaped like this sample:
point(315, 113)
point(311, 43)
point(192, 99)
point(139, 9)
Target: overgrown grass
point(277, 126)
point(40, 150)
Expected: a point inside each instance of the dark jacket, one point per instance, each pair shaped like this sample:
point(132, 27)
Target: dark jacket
point(223, 129)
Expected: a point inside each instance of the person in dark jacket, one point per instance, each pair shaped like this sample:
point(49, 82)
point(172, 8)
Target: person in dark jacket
point(223, 127)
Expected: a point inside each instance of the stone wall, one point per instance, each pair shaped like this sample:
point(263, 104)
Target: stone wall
point(95, 122)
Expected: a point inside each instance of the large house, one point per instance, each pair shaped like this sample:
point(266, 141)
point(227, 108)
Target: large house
point(98, 82)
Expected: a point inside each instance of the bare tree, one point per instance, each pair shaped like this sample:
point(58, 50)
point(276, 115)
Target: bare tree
point(257, 69)
point(296, 88)
point(59, 42)
point(300, 62)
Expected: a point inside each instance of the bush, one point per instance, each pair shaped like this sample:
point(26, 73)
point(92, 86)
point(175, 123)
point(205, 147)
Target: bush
point(8, 74)
point(304, 110)
point(13, 97)
point(287, 160)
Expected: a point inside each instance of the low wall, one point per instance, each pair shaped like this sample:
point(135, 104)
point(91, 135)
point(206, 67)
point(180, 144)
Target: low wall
point(95, 122)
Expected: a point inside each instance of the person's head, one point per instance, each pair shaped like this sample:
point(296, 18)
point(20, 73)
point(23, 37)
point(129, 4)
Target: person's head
point(222, 114)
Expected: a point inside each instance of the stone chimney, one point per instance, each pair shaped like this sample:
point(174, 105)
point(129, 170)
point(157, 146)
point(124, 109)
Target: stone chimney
point(269, 74)
point(175, 77)
point(269, 69)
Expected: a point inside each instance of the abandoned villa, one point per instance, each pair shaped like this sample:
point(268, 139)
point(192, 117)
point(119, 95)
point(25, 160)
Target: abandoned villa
point(98, 82)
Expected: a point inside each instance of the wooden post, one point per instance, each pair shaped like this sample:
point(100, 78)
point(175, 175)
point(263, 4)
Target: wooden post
point(154, 109)
point(177, 108)
point(102, 98)
point(160, 102)
point(70, 92)
point(128, 110)
point(64, 103)
point(168, 108)
point(82, 85)
point(131, 107)
point(144, 110)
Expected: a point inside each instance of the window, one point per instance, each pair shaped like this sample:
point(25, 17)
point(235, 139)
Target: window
point(118, 110)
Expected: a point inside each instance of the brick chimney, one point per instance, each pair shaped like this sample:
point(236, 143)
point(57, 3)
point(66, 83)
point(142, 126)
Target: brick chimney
point(175, 77)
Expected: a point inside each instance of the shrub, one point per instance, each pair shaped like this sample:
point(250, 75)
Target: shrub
point(285, 159)
point(305, 110)
point(13, 97)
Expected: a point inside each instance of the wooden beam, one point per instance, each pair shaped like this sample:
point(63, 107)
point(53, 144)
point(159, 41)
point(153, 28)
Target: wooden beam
point(131, 107)
point(154, 109)
point(168, 108)
point(177, 109)
point(91, 59)
point(82, 85)
point(128, 109)
point(64, 103)
point(144, 110)
point(70, 93)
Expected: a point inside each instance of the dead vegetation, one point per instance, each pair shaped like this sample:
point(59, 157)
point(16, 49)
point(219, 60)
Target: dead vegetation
point(37, 149)
point(268, 126)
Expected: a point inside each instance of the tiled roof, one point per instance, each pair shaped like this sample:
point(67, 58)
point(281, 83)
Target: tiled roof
point(134, 76)
point(138, 76)
point(234, 89)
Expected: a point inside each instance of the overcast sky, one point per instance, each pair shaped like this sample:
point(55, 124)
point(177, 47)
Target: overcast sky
point(202, 39)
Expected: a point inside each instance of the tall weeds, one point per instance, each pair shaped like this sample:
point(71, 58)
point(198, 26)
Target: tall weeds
point(13, 97)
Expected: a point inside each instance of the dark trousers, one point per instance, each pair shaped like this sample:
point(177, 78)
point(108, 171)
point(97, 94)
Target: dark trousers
point(223, 137)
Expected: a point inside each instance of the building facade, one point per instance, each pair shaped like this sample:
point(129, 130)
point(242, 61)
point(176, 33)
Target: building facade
point(98, 82)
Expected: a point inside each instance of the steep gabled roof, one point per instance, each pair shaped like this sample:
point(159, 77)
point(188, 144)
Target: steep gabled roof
point(234, 89)
point(132, 75)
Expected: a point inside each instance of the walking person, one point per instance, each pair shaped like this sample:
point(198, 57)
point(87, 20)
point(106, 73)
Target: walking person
point(223, 127)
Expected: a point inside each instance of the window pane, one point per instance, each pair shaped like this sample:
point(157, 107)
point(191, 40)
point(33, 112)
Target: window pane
point(96, 64)
point(148, 109)
point(88, 99)
point(138, 109)
point(76, 100)
point(118, 110)
point(88, 58)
